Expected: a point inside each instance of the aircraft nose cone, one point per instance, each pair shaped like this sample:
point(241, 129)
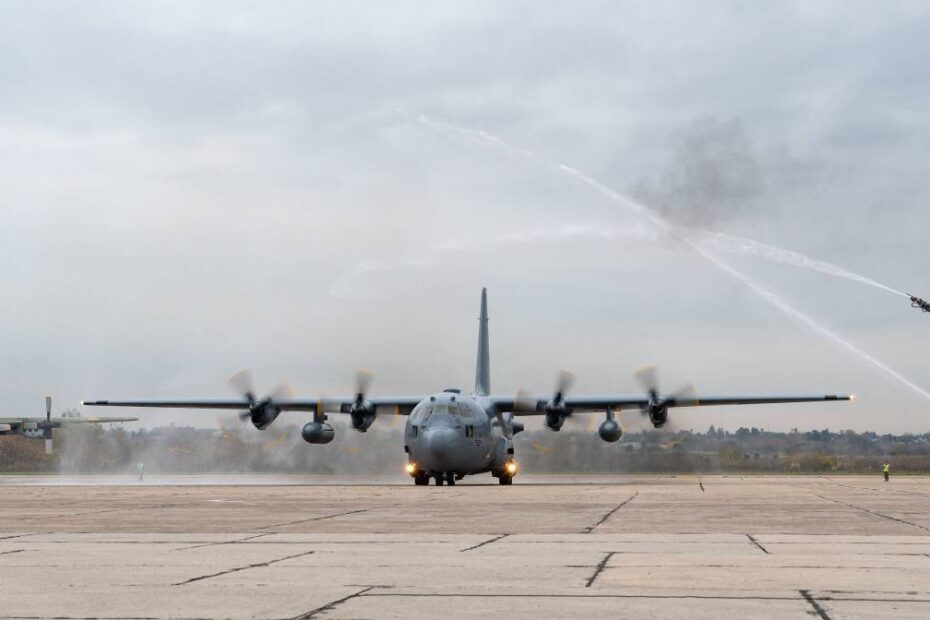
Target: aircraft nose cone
point(439, 443)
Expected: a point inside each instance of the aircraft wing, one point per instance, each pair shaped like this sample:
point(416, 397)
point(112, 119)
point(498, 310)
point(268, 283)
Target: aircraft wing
point(339, 404)
point(537, 405)
point(58, 422)
point(70, 421)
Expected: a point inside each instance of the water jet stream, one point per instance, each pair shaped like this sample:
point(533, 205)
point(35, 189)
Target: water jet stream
point(746, 245)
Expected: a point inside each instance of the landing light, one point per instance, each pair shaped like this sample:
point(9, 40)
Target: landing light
point(511, 468)
point(853, 397)
point(411, 468)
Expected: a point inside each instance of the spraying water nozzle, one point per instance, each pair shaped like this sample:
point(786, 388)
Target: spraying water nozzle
point(917, 302)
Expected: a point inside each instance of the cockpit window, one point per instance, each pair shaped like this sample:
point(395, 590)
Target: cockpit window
point(456, 409)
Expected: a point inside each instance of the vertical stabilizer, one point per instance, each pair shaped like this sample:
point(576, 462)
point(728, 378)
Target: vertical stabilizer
point(483, 368)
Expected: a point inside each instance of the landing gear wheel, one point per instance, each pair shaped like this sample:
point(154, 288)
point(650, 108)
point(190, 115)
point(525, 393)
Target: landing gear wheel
point(450, 479)
point(508, 480)
point(438, 479)
point(421, 480)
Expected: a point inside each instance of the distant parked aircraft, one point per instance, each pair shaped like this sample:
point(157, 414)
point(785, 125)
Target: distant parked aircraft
point(41, 428)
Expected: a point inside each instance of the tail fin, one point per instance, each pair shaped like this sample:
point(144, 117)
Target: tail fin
point(483, 368)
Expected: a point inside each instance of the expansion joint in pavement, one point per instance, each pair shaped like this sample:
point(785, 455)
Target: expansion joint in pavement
point(323, 518)
point(239, 568)
point(486, 542)
point(591, 528)
point(600, 567)
point(877, 514)
point(756, 543)
point(333, 604)
point(818, 610)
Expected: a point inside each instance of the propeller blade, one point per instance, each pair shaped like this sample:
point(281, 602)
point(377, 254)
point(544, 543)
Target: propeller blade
point(688, 392)
point(48, 425)
point(524, 401)
point(363, 380)
point(648, 377)
point(242, 383)
point(564, 384)
point(282, 391)
point(507, 425)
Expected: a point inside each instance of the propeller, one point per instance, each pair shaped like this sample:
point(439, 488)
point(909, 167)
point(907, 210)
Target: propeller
point(362, 410)
point(657, 407)
point(48, 425)
point(261, 412)
point(556, 409)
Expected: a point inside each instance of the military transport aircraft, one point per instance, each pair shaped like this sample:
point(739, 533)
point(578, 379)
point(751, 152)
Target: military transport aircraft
point(449, 435)
point(41, 428)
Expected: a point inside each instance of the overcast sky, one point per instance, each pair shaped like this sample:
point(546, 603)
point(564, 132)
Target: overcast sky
point(189, 189)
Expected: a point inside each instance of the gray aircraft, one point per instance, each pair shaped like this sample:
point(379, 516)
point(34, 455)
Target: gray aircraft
point(450, 435)
point(41, 428)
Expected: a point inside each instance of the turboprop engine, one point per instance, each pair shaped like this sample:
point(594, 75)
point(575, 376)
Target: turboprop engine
point(557, 409)
point(260, 412)
point(362, 411)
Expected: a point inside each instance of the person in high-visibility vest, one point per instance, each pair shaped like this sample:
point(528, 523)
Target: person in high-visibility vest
point(886, 469)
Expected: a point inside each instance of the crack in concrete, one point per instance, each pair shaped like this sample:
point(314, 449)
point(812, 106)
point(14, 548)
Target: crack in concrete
point(240, 568)
point(877, 514)
point(820, 611)
point(17, 536)
point(880, 490)
point(599, 568)
point(487, 542)
point(333, 604)
point(13, 551)
point(756, 543)
point(324, 517)
point(591, 528)
point(225, 542)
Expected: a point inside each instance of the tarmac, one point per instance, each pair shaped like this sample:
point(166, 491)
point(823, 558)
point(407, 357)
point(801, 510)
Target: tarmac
point(546, 547)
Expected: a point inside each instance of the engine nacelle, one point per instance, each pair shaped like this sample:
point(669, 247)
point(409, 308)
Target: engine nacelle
point(263, 414)
point(554, 421)
point(658, 416)
point(363, 416)
point(610, 431)
point(317, 432)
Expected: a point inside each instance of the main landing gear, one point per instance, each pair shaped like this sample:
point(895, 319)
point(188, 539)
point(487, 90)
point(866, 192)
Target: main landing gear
point(441, 478)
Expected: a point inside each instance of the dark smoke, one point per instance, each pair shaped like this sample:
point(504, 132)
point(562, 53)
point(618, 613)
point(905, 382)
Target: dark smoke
point(713, 174)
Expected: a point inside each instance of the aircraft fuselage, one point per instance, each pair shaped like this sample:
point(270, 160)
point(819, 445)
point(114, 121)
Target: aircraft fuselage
point(453, 434)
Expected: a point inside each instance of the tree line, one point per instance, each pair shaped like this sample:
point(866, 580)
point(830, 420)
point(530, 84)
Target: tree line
point(238, 448)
